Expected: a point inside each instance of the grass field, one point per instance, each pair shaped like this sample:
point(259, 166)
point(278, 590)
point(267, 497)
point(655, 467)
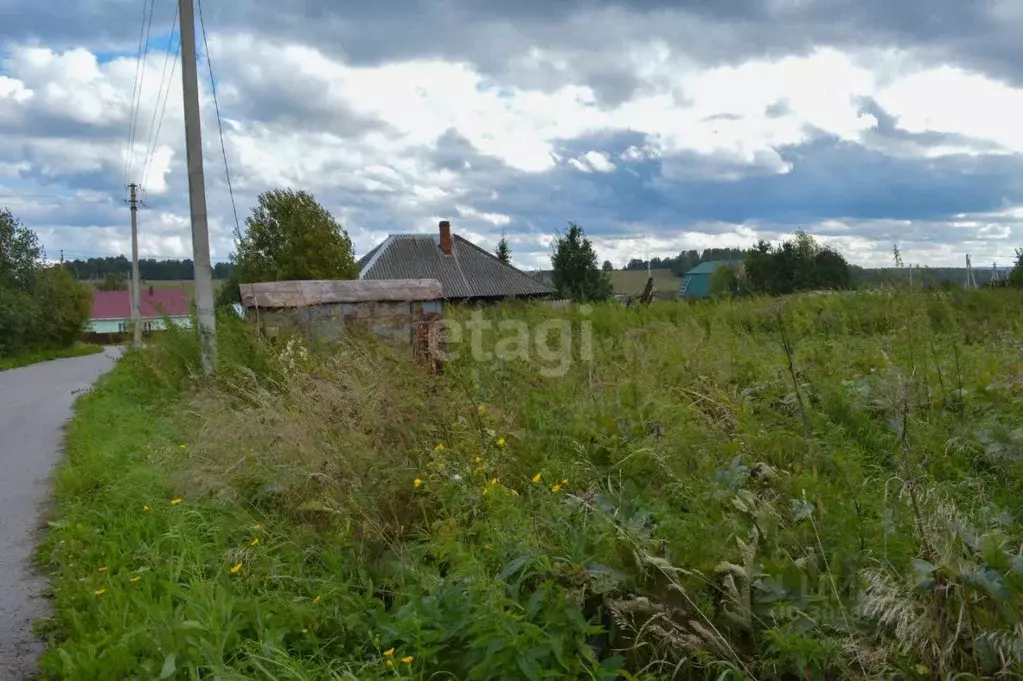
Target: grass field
point(828, 487)
point(76, 350)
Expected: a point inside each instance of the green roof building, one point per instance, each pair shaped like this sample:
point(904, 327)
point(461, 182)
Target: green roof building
point(696, 282)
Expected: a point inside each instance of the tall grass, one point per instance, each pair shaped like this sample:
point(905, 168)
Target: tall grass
point(823, 487)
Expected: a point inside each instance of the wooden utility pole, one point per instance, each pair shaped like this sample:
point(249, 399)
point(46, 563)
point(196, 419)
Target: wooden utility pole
point(136, 312)
point(197, 189)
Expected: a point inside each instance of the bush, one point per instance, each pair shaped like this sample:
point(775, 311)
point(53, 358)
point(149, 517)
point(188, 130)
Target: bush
point(41, 306)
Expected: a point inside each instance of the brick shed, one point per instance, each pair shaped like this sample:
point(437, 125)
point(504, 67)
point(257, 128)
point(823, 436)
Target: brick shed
point(404, 311)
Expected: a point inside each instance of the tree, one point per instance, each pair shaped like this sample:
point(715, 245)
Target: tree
point(40, 306)
point(113, 282)
point(796, 265)
point(1016, 276)
point(723, 281)
point(19, 253)
point(289, 237)
point(576, 275)
point(503, 253)
point(607, 266)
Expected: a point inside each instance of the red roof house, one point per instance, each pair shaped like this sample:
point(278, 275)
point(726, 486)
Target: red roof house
point(111, 310)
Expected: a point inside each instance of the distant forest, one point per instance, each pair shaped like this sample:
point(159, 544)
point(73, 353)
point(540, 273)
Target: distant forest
point(149, 269)
point(868, 277)
point(687, 260)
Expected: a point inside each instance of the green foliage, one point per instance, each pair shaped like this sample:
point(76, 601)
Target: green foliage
point(1016, 275)
point(575, 273)
point(686, 260)
point(723, 282)
point(113, 282)
point(607, 266)
point(796, 265)
point(503, 252)
point(150, 269)
point(20, 254)
point(41, 307)
point(831, 489)
point(290, 236)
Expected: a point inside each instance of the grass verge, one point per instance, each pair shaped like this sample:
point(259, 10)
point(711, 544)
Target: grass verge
point(36, 356)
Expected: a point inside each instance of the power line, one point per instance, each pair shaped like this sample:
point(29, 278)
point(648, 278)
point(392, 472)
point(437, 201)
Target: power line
point(134, 123)
point(134, 90)
point(220, 125)
point(153, 129)
point(159, 123)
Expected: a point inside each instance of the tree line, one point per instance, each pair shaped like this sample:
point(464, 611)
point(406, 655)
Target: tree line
point(151, 269)
point(41, 305)
point(684, 261)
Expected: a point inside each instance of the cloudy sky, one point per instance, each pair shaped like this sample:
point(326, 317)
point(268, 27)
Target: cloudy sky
point(656, 125)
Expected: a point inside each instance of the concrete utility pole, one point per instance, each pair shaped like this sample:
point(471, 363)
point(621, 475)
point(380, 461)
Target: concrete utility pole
point(136, 312)
point(197, 189)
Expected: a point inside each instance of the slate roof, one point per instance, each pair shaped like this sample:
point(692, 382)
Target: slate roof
point(117, 304)
point(469, 272)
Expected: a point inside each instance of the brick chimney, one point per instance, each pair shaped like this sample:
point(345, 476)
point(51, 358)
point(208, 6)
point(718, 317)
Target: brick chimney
point(446, 243)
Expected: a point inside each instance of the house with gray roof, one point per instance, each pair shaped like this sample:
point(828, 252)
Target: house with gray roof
point(466, 271)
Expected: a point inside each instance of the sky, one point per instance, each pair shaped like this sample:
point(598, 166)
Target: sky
point(658, 126)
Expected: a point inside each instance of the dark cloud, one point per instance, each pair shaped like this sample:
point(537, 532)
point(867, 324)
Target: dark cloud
point(591, 34)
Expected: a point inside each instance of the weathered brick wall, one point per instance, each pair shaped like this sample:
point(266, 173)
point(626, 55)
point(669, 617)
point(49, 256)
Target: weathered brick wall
point(405, 324)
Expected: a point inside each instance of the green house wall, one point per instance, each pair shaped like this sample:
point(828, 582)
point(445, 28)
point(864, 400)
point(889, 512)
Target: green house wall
point(124, 325)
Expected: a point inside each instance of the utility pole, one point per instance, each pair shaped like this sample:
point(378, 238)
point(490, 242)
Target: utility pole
point(197, 189)
point(136, 312)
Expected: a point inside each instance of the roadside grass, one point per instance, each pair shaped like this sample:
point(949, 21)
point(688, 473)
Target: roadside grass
point(45, 355)
point(824, 487)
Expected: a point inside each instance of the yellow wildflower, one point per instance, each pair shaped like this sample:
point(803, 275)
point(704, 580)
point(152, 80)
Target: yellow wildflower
point(500, 442)
point(102, 569)
point(145, 507)
point(317, 599)
point(555, 488)
point(235, 569)
point(417, 482)
point(388, 663)
point(134, 579)
point(477, 460)
point(564, 481)
point(254, 542)
point(439, 448)
point(493, 480)
point(536, 478)
point(99, 592)
point(408, 659)
point(389, 652)
point(175, 502)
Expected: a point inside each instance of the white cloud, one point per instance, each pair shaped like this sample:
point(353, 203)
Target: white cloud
point(593, 161)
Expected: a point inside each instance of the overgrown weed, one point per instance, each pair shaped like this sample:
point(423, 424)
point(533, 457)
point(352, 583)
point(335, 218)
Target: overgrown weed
point(725, 491)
